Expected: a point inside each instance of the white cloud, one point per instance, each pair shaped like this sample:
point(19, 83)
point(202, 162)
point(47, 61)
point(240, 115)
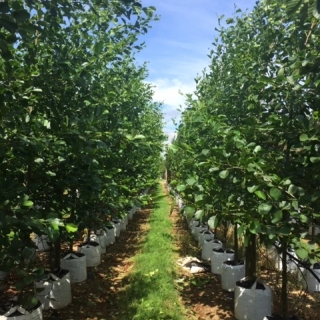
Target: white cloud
point(169, 92)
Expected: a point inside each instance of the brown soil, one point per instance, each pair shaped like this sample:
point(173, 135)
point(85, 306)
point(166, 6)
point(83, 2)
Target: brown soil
point(101, 295)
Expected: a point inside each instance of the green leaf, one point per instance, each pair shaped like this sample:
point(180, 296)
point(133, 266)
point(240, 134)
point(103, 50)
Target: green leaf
point(189, 210)
point(255, 227)
point(205, 151)
point(191, 181)
point(199, 214)
point(224, 174)
point(315, 159)
point(173, 147)
point(303, 218)
point(56, 221)
point(212, 222)
point(27, 203)
point(295, 204)
point(71, 227)
point(302, 253)
point(252, 189)
point(300, 192)
point(139, 137)
point(257, 149)
point(264, 208)
point(277, 216)
point(38, 160)
point(50, 173)
point(260, 194)
point(291, 80)
point(292, 189)
point(275, 193)
point(37, 90)
point(198, 198)
point(182, 187)
point(304, 137)
point(229, 21)
point(98, 47)
point(281, 72)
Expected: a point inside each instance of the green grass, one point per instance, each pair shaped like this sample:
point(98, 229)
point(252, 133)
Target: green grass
point(151, 293)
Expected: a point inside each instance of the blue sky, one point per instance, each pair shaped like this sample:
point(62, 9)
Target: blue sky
point(177, 46)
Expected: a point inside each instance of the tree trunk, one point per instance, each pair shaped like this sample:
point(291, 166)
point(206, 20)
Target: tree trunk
point(236, 244)
point(251, 256)
point(284, 300)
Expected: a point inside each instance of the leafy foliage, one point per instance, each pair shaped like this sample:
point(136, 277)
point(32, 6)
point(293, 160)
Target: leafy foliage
point(80, 137)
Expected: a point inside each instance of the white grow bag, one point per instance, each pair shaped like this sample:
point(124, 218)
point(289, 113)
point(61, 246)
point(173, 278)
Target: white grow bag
point(198, 231)
point(218, 256)
point(102, 238)
point(76, 264)
point(180, 204)
point(36, 314)
point(276, 260)
point(56, 292)
point(42, 242)
point(193, 225)
point(92, 253)
point(98, 239)
point(231, 273)
point(126, 219)
point(310, 283)
point(118, 228)
point(205, 235)
point(130, 213)
point(316, 230)
point(252, 303)
point(111, 234)
point(208, 246)
point(123, 225)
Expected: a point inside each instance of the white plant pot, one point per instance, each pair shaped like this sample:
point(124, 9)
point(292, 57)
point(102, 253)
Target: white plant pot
point(98, 239)
point(111, 232)
point(102, 239)
point(208, 246)
point(193, 223)
point(252, 303)
point(130, 213)
point(118, 228)
point(42, 242)
point(76, 263)
point(123, 225)
point(316, 230)
point(126, 219)
point(218, 256)
point(231, 272)
point(309, 282)
point(180, 204)
point(56, 292)
point(198, 230)
point(36, 314)
point(205, 235)
point(92, 253)
point(276, 260)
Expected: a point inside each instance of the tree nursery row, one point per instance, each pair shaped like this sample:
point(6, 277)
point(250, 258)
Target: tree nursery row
point(247, 150)
point(80, 136)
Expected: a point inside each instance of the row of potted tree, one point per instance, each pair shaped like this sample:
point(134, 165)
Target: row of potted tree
point(80, 136)
point(247, 148)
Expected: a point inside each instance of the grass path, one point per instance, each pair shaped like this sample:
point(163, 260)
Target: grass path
point(151, 293)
